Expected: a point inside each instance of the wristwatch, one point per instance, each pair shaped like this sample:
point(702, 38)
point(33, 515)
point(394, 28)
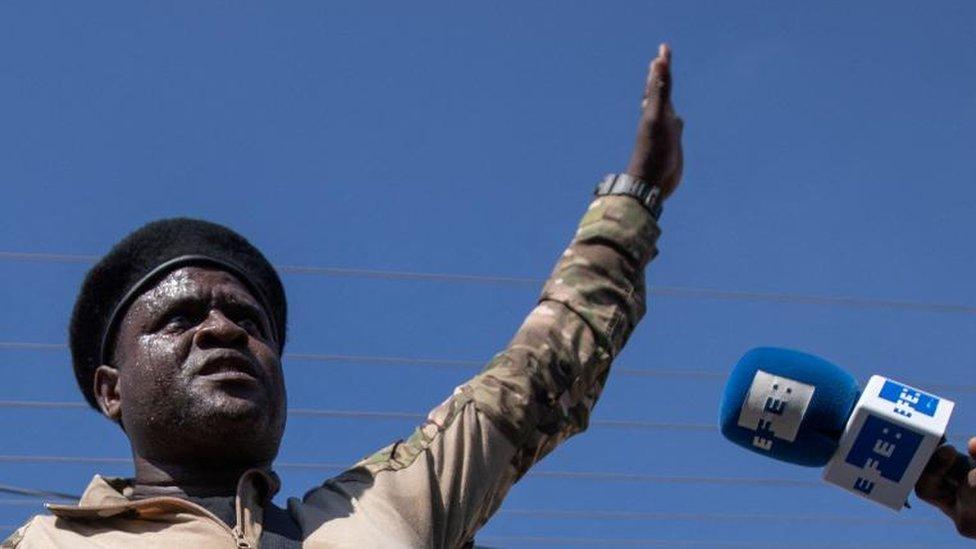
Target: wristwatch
point(645, 192)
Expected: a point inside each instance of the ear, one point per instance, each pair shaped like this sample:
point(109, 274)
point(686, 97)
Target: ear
point(107, 392)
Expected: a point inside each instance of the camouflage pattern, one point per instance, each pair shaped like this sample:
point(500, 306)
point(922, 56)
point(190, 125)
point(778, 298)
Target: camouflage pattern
point(437, 487)
point(540, 390)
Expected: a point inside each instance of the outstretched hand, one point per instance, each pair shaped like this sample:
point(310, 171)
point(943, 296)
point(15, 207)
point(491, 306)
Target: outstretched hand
point(946, 485)
point(657, 155)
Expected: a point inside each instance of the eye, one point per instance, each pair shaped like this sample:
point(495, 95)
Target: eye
point(177, 323)
point(252, 325)
point(248, 324)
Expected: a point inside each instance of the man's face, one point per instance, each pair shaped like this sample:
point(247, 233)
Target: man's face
point(197, 363)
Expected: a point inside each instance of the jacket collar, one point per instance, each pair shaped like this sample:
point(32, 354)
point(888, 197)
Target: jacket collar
point(109, 496)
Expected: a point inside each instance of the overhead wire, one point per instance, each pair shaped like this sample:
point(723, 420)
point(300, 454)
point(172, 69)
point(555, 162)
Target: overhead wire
point(466, 364)
point(684, 292)
point(671, 542)
point(691, 517)
point(383, 415)
point(16, 490)
point(379, 415)
point(567, 514)
point(640, 478)
point(19, 502)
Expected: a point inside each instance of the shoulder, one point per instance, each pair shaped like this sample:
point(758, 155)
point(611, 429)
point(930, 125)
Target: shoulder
point(49, 531)
point(16, 539)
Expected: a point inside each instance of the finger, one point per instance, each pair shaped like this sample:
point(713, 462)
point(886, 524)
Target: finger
point(971, 475)
point(659, 75)
point(931, 486)
point(657, 89)
point(941, 460)
point(664, 52)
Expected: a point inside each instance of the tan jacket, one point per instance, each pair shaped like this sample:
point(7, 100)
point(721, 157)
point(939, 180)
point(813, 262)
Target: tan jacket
point(436, 488)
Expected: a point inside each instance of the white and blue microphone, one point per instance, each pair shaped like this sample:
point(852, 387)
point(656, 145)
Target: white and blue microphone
point(801, 409)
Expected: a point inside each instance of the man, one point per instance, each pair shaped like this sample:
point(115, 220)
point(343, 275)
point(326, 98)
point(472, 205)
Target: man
point(177, 336)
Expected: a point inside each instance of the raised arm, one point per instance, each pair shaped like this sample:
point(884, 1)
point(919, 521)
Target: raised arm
point(542, 387)
point(438, 487)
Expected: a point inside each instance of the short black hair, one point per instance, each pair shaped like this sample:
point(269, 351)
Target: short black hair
point(140, 260)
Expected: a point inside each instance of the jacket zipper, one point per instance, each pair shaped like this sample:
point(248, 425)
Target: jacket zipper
point(242, 542)
point(238, 535)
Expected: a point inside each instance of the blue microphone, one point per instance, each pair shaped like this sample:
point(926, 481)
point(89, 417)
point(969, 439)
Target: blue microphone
point(801, 409)
point(800, 417)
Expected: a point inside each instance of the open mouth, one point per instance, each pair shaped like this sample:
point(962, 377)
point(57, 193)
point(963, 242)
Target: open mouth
point(230, 375)
point(228, 367)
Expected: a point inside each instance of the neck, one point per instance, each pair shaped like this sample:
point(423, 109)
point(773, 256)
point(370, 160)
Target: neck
point(154, 477)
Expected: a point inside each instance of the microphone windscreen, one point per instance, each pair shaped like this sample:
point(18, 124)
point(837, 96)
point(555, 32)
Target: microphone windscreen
point(788, 405)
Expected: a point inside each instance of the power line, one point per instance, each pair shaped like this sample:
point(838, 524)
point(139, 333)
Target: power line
point(43, 404)
point(377, 415)
point(560, 514)
point(408, 275)
point(465, 364)
point(693, 517)
point(687, 292)
point(682, 292)
point(477, 364)
point(32, 346)
point(20, 502)
point(603, 542)
point(6, 489)
point(383, 415)
point(674, 479)
point(629, 478)
point(374, 415)
point(48, 258)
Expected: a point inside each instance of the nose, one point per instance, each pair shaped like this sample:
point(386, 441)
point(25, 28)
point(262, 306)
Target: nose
point(219, 331)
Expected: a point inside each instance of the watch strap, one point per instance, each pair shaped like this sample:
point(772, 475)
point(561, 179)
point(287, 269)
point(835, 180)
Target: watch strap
point(645, 192)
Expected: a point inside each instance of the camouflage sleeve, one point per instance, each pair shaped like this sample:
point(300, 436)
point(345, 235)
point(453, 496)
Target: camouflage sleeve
point(439, 486)
point(541, 388)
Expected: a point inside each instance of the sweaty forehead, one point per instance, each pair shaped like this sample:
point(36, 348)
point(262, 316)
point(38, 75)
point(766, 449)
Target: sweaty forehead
point(194, 283)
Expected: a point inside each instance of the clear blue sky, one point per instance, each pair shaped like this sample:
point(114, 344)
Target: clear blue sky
point(829, 152)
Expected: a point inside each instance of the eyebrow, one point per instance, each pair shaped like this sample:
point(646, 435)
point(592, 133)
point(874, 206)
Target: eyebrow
point(237, 300)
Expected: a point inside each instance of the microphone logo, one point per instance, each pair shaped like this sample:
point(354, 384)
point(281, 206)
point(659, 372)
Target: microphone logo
point(774, 408)
point(882, 449)
point(908, 400)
